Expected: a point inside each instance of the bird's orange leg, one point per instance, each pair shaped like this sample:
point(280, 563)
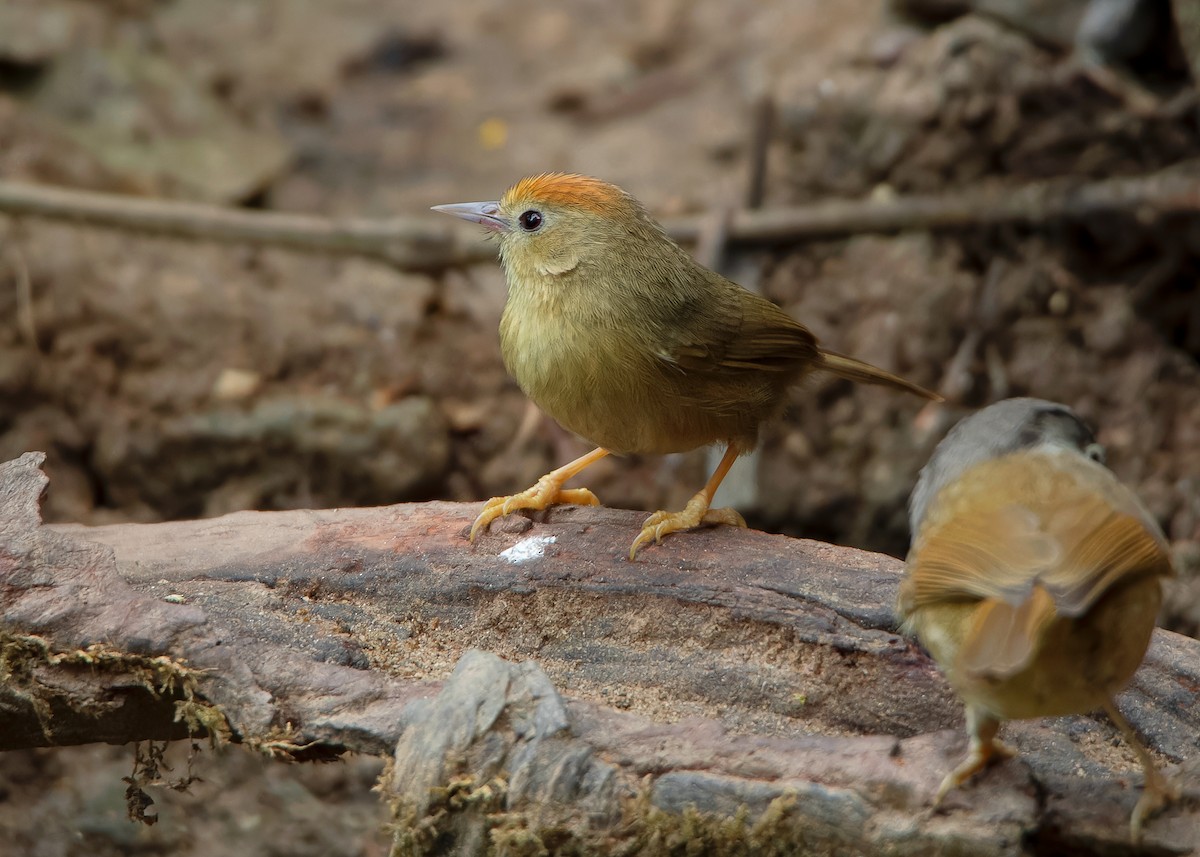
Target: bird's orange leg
point(695, 513)
point(984, 749)
point(546, 492)
point(1158, 791)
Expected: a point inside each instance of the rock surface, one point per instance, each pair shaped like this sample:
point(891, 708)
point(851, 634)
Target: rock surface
point(738, 690)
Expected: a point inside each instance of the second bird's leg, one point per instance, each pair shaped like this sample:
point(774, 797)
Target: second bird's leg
point(984, 749)
point(1157, 791)
point(546, 492)
point(695, 513)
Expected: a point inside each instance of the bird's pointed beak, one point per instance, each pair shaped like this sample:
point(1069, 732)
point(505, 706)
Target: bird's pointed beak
point(486, 214)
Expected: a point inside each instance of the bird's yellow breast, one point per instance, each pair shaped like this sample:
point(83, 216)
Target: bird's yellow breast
point(602, 381)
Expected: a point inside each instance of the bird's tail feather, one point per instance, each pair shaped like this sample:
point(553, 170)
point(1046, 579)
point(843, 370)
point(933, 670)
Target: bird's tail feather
point(865, 373)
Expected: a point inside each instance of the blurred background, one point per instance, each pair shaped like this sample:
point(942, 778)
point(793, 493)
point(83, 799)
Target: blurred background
point(171, 379)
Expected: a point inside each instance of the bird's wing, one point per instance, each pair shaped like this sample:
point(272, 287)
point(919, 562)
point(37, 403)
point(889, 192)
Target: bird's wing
point(1033, 535)
point(975, 546)
point(1032, 517)
point(731, 330)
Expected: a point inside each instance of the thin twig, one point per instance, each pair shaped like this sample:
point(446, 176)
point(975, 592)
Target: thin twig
point(417, 245)
point(25, 318)
point(760, 145)
point(406, 243)
point(1175, 189)
point(713, 238)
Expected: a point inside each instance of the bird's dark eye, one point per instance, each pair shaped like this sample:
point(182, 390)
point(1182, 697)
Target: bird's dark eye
point(1095, 452)
point(530, 221)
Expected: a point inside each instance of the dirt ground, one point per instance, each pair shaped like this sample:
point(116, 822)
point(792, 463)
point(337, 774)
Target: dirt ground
point(168, 380)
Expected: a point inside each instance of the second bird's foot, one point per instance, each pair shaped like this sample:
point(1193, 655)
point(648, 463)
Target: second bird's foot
point(693, 515)
point(1158, 793)
point(980, 757)
point(542, 495)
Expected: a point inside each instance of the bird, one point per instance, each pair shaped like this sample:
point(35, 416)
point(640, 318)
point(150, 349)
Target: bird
point(1033, 578)
point(616, 332)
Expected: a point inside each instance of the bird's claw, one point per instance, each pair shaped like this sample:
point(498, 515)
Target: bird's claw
point(1158, 793)
point(695, 514)
point(540, 496)
point(981, 756)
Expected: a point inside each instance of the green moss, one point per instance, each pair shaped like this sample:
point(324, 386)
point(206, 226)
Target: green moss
point(643, 830)
point(776, 832)
point(22, 654)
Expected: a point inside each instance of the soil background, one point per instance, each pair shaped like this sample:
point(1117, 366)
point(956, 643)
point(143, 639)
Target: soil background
point(167, 379)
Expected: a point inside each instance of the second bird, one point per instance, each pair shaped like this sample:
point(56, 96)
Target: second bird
point(619, 334)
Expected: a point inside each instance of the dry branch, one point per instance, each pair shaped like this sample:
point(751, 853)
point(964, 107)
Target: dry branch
point(731, 687)
point(418, 244)
point(406, 243)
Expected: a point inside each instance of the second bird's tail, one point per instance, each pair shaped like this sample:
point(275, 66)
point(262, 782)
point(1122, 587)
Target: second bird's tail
point(865, 373)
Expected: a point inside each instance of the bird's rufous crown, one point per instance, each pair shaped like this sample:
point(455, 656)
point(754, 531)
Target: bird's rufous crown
point(568, 189)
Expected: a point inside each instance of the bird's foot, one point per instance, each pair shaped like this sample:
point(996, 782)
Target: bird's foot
point(1158, 791)
point(695, 513)
point(981, 754)
point(547, 492)
point(1157, 794)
